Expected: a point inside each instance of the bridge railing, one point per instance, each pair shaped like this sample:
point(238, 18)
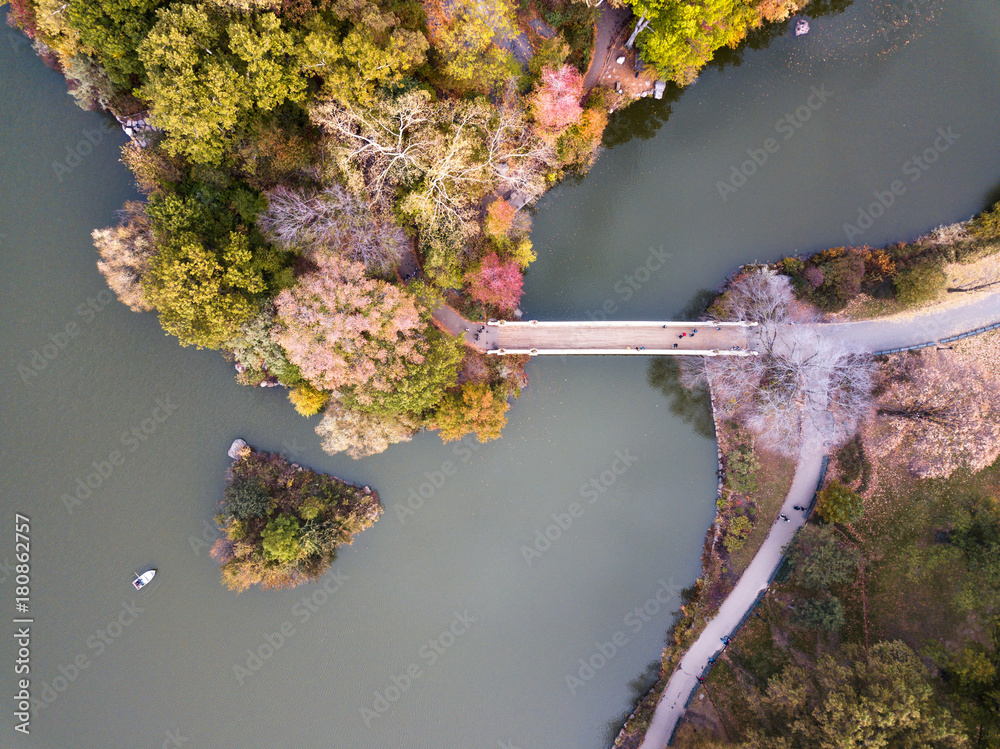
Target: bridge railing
point(949, 339)
point(619, 324)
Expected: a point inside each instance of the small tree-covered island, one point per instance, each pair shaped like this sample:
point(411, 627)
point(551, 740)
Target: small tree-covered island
point(282, 523)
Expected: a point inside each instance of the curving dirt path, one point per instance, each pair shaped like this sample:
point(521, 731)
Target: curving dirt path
point(877, 335)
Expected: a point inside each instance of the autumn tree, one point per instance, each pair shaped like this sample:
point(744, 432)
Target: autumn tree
point(332, 219)
point(361, 434)
point(478, 410)
point(499, 218)
point(555, 104)
point(126, 251)
point(207, 74)
point(343, 329)
point(308, 401)
point(496, 283)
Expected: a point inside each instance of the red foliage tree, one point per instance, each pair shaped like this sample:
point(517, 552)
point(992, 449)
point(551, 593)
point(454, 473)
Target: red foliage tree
point(556, 101)
point(496, 283)
point(22, 15)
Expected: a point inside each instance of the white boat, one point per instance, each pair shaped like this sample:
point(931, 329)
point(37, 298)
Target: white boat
point(801, 27)
point(141, 580)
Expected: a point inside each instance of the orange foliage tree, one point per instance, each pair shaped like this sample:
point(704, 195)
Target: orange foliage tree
point(476, 410)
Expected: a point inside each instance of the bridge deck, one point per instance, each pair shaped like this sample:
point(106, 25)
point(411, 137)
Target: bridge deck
point(610, 338)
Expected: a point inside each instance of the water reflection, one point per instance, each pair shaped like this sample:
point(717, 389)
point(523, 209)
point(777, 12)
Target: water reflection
point(692, 407)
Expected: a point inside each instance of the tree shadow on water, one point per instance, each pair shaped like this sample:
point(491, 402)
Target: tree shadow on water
point(693, 407)
point(641, 119)
point(664, 374)
point(638, 687)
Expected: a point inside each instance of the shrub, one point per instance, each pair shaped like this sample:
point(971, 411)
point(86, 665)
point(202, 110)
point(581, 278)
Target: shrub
point(826, 613)
point(814, 276)
point(852, 461)
point(247, 498)
point(920, 284)
point(838, 504)
point(986, 225)
point(842, 275)
point(820, 559)
point(741, 469)
point(736, 533)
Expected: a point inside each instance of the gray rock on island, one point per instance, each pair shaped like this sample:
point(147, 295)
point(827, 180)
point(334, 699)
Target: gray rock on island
point(235, 448)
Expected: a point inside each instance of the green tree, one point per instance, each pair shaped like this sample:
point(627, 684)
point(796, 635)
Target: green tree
point(880, 700)
point(838, 504)
point(355, 67)
point(919, 284)
point(825, 613)
point(207, 74)
point(280, 539)
point(820, 560)
point(425, 382)
point(111, 32)
point(202, 295)
point(247, 498)
point(682, 36)
point(465, 44)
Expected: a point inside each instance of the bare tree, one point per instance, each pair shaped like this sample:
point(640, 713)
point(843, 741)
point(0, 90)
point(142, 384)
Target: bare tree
point(937, 412)
point(126, 251)
point(334, 219)
point(799, 379)
point(450, 153)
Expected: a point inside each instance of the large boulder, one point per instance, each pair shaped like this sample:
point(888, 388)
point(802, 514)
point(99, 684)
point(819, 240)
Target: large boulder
point(237, 448)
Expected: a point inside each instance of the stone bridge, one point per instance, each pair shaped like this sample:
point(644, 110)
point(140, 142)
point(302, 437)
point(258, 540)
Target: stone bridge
point(644, 338)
